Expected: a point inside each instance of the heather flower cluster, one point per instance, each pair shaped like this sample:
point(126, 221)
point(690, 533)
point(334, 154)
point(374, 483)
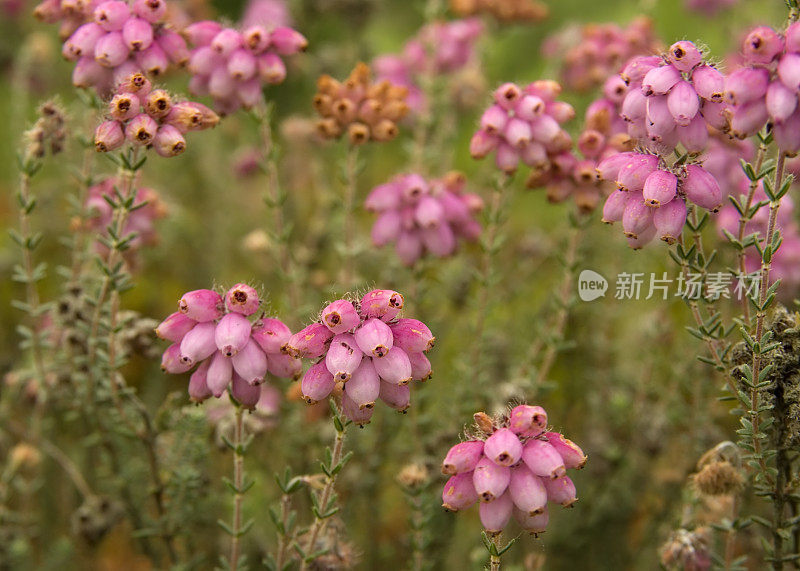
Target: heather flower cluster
point(147, 117)
point(766, 87)
point(423, 216)
point(652, 196)
point(366, 349)
point(674, 99)
point(364, 110)
point(439, 48)
point(113, 39)
point(601, 50)
point(232, 66)
point(147, 208)
point(229, 349)
point(514, 467)
point(524, 125)
point(503, 10)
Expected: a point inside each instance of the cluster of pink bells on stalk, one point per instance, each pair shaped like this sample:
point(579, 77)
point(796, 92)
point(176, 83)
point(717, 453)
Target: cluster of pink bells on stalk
point(515, 471)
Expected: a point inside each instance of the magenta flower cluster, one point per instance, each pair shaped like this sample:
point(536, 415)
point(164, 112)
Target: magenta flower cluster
point(523, 125)
point(515, 470)
point(148, 117)
point(423, 216)
point(367, 349)
point(232, 66)
point(766, 87)
point(651, 197)
point(439, 48)
point(116, 39)
point(230, 351)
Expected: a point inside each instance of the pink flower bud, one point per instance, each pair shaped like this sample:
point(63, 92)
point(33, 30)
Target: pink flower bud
point(141, 130)
point(459, 492)
point(198, 388)
point(636, 69)
point(792, 36)
point(503, 447)
point(243, 299)
point(659, 188)
point(694, 136)
point(684, 55)
point(284, 366)
point(201, 305)
point(219, 374)
point(174, 46)
point(317, 383)
point(112, 15)
point(702, 188)
point(360, 416)
point(364, 386)
point(226, 41)
point(635, 171)
point(232, 333)
point(608, 168)
point(394, 367)
point(249, 362)
point(343, 357)
point(412, 187)
point(397, 397)
point(463, 457)
point(271, 334)
point(374, 337)
point(506, 158)
point(412, 335)
point(89, 73)
point(660, 120)
point(340, 316)
point(669, 220)
point(386, 228)
point(220, 84)
point(543, 459)
point(561, 491)
point(191, 116)
point(384, 304)
point(110, 50)
point(614, 207)
point(137, 34)
point(762, 45)
point(174, 327)
point(169, 141)
point(715, 114)
point(151, 10)
point(634, 106)
point(124, 106)
point(490, 479)
point(781, 101)
point(545, 129)
point(787, 134)
point(203, 61)
point(409, 247)
point(108, 136)
point(482, 143)
point(527, 420)
point(660, 80)
point(637, 217)
point(749, 118)
point(202, 33)
point(245, 394)
point(561, 111)
point(82, 41)
point(439, 240)
point(570, 452)
point(507, 95)
point(527, 490)
point(429, 212)
point(171, 361)
point(683, 102)
point(534, 155)
point(641, 240)
point(310, 342)
point(747, 84)
point(495, 515)
point(533, 524)
point(286, 41)
point(529, 107)
point(271, 68)
point(242, 65)
point(709, 83)
point(153, 60)
point(198, 343)
point(517, 132)
point(383, 197)
point(420, 366)
point(256, 38)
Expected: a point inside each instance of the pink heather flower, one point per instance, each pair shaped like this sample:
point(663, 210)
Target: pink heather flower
point(439, 48)
point(652, 197)
point(535, 141)
point(431, 215)
point(356, 346)
point(233, 65)
point(231, 352)
point(484, 469)
point(149, 118)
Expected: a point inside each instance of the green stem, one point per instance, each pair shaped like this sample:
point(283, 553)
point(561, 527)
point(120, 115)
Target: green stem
point(743, 220)
point(238, 480)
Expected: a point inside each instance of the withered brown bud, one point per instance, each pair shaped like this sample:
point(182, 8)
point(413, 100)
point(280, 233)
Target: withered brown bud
point(719, 479)
point(484, 422)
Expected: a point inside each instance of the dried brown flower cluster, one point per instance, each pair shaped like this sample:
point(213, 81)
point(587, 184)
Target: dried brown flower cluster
point(503, 10)
point(365, 111)
point(47, 134)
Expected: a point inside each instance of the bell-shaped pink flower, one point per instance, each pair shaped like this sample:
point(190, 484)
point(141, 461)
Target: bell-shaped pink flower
point(343, 357)
point(459, 492)
point(310, 342)
point(495, 515)
point(503, 447)
point(198, 387)
point(570, 452)
point(243, 299)
point(527, 490)
point(374, 337)
point(245, 394)
point(271, 334)
point(669, 220)
point(659, 188)
point(394, 367)
point(250, 362)
point(527, 420)
point(490, 479)
point(543, 459)
point(382, 303)
point(220, 373)
point(198, 343)
point(171, 361)
point(174, 327)
point(421, 369)
point(463, 457)
point(317, 383)
point(702, 188)
point(232, 333)
point(364, 386)
point(340, 316)
point(533, 524)
point(561, 491)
